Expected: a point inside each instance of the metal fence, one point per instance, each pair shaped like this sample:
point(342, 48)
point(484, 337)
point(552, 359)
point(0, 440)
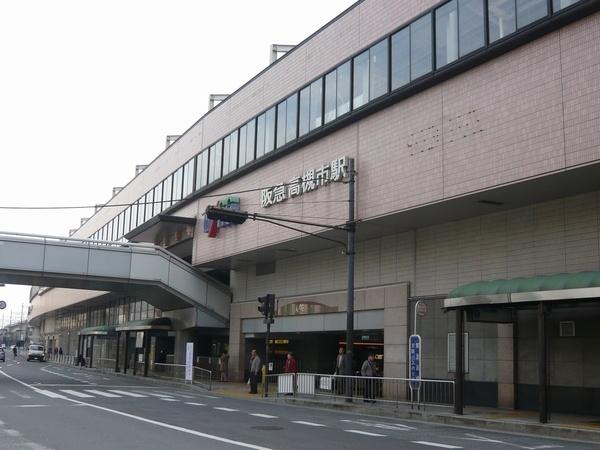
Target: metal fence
point(200, 376)
point(62, 359)
point(419, 393)
point(104, 364)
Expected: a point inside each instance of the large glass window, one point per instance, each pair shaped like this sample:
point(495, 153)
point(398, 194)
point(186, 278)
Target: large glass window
point(281, 115)
point(502, 18)
point(270, 130)
point(233, 151)
point(188, 178)
point(291, 121)
point(560, 4)
point(141, 211)
point(304, 123)
point(202, 169)
point(177, 184)
point(260, 135)
point(400, 58)
point(446, 34)
point(529, 11)
point(360, 89)
point(316, 104)
point(330, 96)
point(420, 47)
point(378, 60)
point(158, 199)
point(344, 89)
point(167, 193)
point(133, 222)
point(109, 231)
point(226, 158)
point(250, 140)
point(127, 218)
point(242, 150)
point(470, 25)
point(149, 201)
point(215, 158)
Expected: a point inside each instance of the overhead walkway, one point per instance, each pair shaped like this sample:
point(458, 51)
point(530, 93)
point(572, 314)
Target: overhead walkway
point(143, 270)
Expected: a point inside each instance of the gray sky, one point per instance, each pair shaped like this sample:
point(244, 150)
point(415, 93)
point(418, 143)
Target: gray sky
point(89, 89)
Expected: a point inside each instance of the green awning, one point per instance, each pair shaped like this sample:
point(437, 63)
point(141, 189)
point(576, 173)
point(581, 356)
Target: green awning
point(162, 323)
point(561, 286)
point(530, 284)
point(103, 330)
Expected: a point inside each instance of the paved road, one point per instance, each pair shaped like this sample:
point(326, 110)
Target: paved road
point(46, 406)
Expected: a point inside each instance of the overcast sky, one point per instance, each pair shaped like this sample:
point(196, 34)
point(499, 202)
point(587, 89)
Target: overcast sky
point(89, 89)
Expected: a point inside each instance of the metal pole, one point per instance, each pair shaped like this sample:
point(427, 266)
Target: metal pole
point(542, 364)
point(459, 369)
point(351, 229)
point(266, 381)
point(117, 370)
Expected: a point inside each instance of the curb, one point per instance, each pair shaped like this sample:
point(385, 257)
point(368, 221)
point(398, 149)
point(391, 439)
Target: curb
point(545, 430)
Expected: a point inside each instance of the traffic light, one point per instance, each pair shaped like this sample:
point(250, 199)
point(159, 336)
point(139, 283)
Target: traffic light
point(266, 306)
point(226, 215)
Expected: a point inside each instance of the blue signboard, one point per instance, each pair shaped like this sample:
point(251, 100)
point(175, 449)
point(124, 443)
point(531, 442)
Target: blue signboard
point(415, 360)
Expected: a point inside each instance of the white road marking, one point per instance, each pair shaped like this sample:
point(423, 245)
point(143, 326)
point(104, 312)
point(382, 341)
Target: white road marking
point(366, 433)
point(154, 394)
point(195, 404)
point(102, 394)
point(21, 395)
point(30, 406)
point(310, 424)
point(129, 394)
point(208, 396)
point(221, 408)
point(476, 438)
point(169, 399)
point(383, 426)
point(150, 421)
point(49, 393)
point(76, 393)
point(435, 444)
point(45, 369)
point(264, 416)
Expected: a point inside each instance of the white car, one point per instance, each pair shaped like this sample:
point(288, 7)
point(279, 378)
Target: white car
point(36, 352)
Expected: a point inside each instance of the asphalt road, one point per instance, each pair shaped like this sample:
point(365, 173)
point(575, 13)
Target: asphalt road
point(47, 406)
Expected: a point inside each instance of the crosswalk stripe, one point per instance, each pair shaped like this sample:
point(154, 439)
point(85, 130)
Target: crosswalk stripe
point(221, 408)
point(195, 404)
point(310, 424)
point(129, 394)
point(154, 394)
point(102, 394)
point(366, 433)
point(169, 399)
point(435, 444)
point(264, 416)
point(76, 393)
point(49, 393)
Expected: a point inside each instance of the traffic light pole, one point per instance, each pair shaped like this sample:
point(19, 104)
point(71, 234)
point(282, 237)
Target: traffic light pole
point(351, 229)
point(266, 381)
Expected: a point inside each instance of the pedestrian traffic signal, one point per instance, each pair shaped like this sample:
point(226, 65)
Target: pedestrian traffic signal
point(266, 306)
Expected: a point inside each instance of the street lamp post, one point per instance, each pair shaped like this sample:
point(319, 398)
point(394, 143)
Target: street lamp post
point(239, 217)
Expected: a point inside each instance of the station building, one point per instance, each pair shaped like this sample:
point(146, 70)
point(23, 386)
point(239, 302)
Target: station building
point(474, 128)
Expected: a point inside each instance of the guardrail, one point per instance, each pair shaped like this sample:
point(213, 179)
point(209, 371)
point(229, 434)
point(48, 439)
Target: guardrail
point(200, 376)
point(419, 393)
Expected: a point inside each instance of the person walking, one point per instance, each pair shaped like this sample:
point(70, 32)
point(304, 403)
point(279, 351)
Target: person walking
point(369, 370)
point(340, 369)
point(60, 351)
point(14, 352)
point(290, 364)
point(224, 365)
point(254, 371)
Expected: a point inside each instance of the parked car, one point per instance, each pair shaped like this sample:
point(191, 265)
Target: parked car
point(36, 352)
point(2, 355)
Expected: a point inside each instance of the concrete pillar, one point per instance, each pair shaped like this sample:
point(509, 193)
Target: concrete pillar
point(182, 337)
point(395, 330)
point(237, 348)
point(505, 366)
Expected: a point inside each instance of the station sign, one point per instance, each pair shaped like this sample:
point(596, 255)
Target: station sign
point(415, 360)
point(189, 361)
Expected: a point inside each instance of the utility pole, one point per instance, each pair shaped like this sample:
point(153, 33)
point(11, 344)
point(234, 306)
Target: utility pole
point(351, 231)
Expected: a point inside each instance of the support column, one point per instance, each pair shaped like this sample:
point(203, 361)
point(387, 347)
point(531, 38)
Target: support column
point(146, 351)
point(91, 351)
point(117, 370)
point(542, 363)
point(459, 375)
point(126, 364)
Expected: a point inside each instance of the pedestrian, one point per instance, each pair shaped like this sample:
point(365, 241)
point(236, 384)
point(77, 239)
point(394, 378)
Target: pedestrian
point(55, 351)
point(80, 361)
point(340, 369)
point(60, 351)
point(290, 364)
point(369, 370)
point(14, 352)
point(224, 365)
point(254, 371)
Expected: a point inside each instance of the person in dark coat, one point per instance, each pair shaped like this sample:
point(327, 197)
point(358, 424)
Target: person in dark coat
point(340, 369)
point(369, 370)
point(60, 351)
point(254, 372)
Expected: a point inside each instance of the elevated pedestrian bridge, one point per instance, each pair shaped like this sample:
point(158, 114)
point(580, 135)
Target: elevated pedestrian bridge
point(144, 270)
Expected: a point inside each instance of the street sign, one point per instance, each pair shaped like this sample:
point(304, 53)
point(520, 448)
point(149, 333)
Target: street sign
point(189, 361)
point(2, 304)
point(421, 309)
point(415, 360)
